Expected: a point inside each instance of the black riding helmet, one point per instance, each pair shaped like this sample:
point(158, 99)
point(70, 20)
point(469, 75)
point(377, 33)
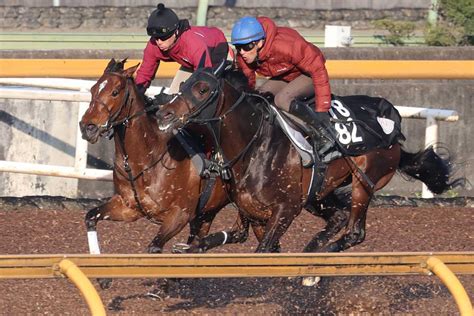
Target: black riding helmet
point(162, 22)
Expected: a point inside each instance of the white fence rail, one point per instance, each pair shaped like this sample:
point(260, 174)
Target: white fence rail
point(79, 171)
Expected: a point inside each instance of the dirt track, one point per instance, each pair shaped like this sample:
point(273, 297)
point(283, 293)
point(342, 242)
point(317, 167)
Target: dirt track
point(35, 231)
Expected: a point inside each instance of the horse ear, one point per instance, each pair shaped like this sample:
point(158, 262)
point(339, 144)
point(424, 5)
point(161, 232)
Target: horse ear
point(122, 62)
point(218, 71)
point(202, 61)
point(110, 65)
point(130, 71)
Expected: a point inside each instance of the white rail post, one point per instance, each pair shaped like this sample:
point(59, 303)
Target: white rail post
point(80, 162)
point(431, 138)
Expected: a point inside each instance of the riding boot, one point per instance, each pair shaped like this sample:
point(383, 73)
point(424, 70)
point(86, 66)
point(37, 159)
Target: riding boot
point(319, 122)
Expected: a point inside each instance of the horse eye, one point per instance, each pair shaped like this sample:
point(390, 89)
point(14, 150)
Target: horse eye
point(203, 90)
point(115, 93)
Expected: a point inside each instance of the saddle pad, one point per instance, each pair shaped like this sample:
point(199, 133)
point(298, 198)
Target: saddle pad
point(362, 123)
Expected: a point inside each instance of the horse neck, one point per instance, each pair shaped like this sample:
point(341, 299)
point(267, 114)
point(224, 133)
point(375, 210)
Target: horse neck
point(240, 126)
point(140, 138)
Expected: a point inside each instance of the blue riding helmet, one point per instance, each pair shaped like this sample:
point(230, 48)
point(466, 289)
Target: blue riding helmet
point(246, 30)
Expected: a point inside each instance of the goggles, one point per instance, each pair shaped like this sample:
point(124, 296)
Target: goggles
point(159, 34)
point(245, 47)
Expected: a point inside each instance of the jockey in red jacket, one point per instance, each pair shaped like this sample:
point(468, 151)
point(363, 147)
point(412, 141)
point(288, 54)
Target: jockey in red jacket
point(172, 39)
point(295, 67)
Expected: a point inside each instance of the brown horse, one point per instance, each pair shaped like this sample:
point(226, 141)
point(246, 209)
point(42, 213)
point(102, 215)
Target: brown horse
point(269, 184)
point(154, 177)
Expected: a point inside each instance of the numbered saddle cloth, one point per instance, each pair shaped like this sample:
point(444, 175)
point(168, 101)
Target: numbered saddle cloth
point(362, 123)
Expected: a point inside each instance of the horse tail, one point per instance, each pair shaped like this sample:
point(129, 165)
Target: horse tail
point(430, 168)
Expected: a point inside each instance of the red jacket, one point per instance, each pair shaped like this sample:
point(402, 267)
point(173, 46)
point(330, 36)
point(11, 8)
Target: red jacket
point(187, 51)
point(285, 56)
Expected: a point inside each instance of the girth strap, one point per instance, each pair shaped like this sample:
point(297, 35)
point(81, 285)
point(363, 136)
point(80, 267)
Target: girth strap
point(318, 175)
point(206, 193)
point(207, 169)
point(189, 145)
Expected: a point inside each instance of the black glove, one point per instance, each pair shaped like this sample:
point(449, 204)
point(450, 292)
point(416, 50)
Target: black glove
point(162, 98)
point(268, 95)
point(141, 91)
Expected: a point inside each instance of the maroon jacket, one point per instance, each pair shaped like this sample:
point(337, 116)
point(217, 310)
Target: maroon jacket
point(187, 51)
point(285, 56)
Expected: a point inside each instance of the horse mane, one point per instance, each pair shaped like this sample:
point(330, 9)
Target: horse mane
point(236, 79)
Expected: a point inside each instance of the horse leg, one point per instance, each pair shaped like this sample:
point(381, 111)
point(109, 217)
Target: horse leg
point(199, 228)
point(361, 196)
point(259, 231)
point(277, 225)
point(334, 223)
point(114, 210)
point(334, 210)
point(238, 234)
point(172, 223)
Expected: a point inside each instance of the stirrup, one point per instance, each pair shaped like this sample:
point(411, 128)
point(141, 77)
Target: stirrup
point(322, 143)
point(326, 147)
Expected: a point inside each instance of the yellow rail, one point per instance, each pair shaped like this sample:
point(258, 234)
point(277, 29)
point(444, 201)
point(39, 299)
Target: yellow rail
point(68, 268)
point(443, 265)
point(235, 265)
point(338, 69)
point(452, 283)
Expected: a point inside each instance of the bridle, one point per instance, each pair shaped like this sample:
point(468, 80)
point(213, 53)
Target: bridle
point(112, 119)
point(205, 112)
point(112, 123)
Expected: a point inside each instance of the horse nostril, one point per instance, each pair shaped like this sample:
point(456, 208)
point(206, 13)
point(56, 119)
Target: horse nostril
point(91, 128)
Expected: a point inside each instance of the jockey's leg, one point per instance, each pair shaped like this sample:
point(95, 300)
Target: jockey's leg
point(299, 88)
point(285, 99)
point(182, 75)
point(319, 122)
point(272, 86)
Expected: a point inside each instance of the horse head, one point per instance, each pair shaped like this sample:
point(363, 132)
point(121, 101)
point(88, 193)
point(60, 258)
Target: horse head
point(197, 99)
point(110, 95)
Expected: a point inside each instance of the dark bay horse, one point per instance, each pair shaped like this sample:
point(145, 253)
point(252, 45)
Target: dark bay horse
point(153, 176)
point(269, 184)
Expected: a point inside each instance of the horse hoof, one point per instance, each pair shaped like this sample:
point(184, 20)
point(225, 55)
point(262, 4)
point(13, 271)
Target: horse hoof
point(105, 283)
point(180, 248)
point(310, 281)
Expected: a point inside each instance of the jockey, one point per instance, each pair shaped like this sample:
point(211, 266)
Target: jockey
point(172, 39)
point(295, 69)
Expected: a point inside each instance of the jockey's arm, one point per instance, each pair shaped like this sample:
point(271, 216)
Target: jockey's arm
point(312, 62)
point(148, 68)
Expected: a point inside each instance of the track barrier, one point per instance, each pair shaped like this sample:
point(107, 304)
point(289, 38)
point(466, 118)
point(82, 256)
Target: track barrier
point(443, 265)
point(79, 171)
point(337, 69)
